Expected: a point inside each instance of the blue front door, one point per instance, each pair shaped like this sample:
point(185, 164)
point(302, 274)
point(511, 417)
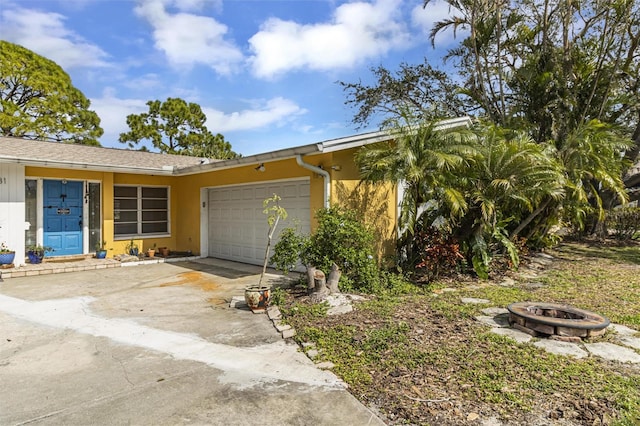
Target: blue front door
point(63, 217)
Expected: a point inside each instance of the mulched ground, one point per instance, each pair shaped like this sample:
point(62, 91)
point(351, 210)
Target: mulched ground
point(433, 390)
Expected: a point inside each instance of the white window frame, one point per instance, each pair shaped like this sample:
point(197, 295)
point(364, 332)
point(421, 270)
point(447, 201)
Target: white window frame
point(139, 222)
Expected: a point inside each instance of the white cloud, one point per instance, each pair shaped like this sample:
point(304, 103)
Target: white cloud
point(145, 82)
point(435, 11)
point(187, 39)
point(357, 31)
point(46, 34)
point(113, 113)
point(262, 114)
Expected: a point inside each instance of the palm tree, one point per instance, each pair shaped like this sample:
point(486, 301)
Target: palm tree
point(512, 178)
point(423, 159)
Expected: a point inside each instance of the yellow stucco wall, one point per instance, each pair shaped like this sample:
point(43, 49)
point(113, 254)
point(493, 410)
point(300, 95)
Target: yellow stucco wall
point(376, 204)
point(188, 191)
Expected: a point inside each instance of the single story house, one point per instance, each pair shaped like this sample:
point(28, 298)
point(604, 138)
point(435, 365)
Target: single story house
point(72, 197)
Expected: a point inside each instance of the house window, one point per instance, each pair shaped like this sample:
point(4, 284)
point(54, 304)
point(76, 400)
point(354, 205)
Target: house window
point(140, 210)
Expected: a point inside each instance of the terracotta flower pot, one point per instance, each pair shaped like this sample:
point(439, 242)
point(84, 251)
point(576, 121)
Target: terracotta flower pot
point(257, 297)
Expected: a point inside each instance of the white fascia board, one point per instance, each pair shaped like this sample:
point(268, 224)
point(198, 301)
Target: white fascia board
point(354, 141)
point(165, 170)
point(382, 136)
point(256, 159)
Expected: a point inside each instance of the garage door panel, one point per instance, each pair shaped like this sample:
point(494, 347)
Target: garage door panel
point(237, 225)
point(247, 194)
point(290, 191)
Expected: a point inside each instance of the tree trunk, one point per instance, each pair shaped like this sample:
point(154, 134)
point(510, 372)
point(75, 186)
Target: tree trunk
point(320, 290)
point(311, 271)
point(528, 220)
point(334, 278)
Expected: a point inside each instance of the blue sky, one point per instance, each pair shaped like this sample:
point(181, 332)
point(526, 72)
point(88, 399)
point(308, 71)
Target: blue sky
point(264, 72)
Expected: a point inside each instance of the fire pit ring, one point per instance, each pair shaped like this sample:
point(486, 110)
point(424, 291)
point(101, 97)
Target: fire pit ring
point(555, 319)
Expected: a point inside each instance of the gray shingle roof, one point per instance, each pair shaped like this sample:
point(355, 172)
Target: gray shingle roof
point(63, 155)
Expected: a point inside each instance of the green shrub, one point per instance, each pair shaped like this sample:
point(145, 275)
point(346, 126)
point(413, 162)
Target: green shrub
point(278, 296)
point(434, 254)
point(340, 238)
point(624, 223)
point(286, 252)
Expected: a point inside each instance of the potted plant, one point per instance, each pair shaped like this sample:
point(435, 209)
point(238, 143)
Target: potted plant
point(101, 251)
point(6, 255)
point(36, 252)
point(257, 296)
point(164, 251)
point(132, 248)
point(151, 252)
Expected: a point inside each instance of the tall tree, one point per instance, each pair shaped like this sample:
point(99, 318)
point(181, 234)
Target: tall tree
point(176, 127)
point(556, 68)
point(38, 100)
point(211, 146)
point(419, 90)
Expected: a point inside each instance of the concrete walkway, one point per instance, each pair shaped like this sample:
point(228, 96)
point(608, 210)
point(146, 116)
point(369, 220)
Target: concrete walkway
point(156, 344)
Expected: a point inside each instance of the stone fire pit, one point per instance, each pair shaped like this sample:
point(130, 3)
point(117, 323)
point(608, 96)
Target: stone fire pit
point(552, 319)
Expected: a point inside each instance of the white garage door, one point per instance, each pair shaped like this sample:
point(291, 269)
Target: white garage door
point(238, 227)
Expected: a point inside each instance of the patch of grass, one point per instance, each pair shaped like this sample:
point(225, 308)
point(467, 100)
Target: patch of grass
point(397, 351)
point(278, 296)
point(600, 285)
point(616, 253)
point(306, 313)
point(382, 306)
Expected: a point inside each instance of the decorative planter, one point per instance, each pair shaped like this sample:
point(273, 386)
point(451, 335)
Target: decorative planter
point(133, 251)
point(151, 253)
point(35, 257)
point(101, 254)
point(163, 251)
point(7, 258)
point(257, 297)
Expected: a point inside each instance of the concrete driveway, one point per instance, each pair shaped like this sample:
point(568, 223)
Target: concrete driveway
point(156, 344)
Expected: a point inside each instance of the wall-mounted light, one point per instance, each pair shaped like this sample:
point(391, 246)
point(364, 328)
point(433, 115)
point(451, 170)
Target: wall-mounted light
point(337, 167)
point(260, 168)
point(64, 181)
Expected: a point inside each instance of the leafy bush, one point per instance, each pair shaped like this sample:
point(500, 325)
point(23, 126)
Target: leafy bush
point(624, 223)
point(278, 296)
point(286, 252)
point(340, 238)
point(435, 254)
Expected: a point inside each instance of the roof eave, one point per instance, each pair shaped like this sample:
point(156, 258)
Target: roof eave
point(282, 154)
point(165, 170)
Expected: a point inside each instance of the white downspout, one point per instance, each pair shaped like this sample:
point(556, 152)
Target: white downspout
point(321, 172)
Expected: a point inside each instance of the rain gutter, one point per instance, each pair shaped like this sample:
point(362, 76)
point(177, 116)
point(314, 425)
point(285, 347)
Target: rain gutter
point(325, 175)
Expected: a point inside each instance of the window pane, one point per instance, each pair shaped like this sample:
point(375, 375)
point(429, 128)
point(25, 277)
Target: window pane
point(95, 224)
point(125, 228)
point(125, 204)
point(152, 219)
point(126, 216)
point(30, 212)
point(154, 192)
point(154, 228)
point(154, 204)
point(154, 216)
point(125, 191)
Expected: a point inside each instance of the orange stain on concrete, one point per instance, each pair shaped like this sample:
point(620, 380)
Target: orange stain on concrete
point(196, 279)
